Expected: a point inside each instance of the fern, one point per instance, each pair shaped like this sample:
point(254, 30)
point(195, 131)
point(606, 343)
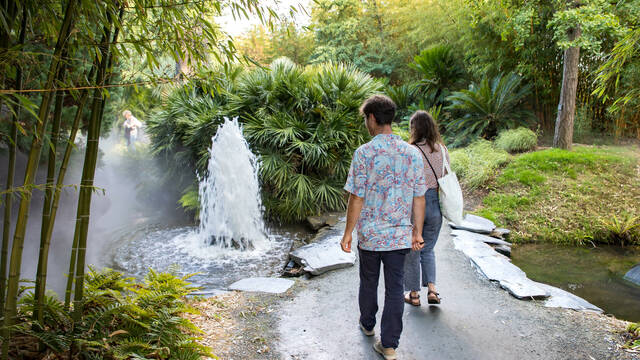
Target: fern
point(121, 319)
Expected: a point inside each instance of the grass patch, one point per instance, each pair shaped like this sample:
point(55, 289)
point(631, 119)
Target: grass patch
point(590, 194)
point(517, 140)
point(477, 163)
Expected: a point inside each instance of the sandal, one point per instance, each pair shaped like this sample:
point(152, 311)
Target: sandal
point(412, 300)
point(435, 299)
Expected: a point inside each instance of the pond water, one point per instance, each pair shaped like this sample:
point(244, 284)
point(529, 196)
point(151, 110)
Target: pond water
point(594, 274)
point(179, 249)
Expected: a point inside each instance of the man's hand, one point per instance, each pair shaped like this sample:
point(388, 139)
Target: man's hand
point(417, 243)
point(346, 242)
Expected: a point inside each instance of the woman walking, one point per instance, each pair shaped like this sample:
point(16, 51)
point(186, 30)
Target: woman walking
point(426, 137)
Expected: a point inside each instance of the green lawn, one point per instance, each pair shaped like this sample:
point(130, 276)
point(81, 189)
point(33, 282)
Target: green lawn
point(590, 194)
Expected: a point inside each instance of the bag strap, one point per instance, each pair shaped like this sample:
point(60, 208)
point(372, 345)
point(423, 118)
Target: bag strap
point(428, 162)
point(445, 163)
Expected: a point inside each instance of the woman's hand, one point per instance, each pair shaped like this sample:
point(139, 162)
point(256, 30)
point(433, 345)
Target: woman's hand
point(417, 243)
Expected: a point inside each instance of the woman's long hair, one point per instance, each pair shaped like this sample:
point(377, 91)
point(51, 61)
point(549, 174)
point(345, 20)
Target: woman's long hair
point(424, 129)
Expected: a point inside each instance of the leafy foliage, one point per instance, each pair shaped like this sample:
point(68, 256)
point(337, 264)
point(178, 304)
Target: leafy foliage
point(517, 140)
point(441, 70)
point(488, 107)
point(304, 124)
point(477, 163)
point(121, 319)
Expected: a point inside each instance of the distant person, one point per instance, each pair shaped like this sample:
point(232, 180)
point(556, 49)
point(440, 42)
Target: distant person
point(386, 184)
point(131, 127)
point(426, 137)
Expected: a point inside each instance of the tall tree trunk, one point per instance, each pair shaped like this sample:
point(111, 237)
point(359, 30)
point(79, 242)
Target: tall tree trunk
point(8, 200)
point(32, 166)
point(41, 273)
point(89, 168)
point(563, 136)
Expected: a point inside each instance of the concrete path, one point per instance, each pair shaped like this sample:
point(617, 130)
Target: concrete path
point(476, 320)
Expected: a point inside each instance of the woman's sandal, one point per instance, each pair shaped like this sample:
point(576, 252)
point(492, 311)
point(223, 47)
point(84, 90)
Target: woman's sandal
point(433, 299)
point(412, 300)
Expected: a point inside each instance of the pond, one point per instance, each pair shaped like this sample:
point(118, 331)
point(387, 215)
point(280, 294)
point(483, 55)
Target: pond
point(594, 274)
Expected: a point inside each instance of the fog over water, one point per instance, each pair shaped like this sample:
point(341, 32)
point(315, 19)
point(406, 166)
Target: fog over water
point(127, 198)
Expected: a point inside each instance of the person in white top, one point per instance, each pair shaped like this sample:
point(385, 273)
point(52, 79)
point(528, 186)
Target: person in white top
point(131, 126)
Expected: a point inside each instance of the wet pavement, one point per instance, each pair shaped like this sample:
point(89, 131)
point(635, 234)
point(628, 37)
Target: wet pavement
point(476, 320)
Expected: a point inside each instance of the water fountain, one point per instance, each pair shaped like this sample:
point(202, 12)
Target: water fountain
point(231, 240)
point(230, 205)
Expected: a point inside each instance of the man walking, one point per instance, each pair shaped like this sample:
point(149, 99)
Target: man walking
point(386, 185)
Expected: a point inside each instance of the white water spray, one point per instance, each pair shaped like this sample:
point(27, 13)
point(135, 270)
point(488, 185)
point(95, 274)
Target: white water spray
point(230, 205)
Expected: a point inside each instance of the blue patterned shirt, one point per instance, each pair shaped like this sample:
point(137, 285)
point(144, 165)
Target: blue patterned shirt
point(388, 173)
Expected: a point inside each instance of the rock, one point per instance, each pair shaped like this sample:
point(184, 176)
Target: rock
point(479, 237)
point(633, 275)
point(524, 288)
point(472, 248)
point(323, 255)
point(475, 224)
point(332, 219)
point(503, 249)
point(565, 299)
point(316, 222)
point(501, 233)
point(293, 270)
point(497, 267)
point(262, 284)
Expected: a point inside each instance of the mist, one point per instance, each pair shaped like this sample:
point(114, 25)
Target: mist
point(128, 196)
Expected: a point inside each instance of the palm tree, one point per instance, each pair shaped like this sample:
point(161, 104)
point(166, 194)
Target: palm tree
point(488, 107)
point(441, 71)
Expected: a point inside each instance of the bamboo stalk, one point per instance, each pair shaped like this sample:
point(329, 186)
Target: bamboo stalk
point(89, 167)
point(41, 273)
point(30, 172)
point(8, 204)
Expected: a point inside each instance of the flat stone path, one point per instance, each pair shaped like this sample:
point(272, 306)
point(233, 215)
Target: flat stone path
point(477, 320)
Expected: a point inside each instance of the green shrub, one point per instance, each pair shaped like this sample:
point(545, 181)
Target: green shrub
point(477, 163)
point(517, 140)
point(488, 107)
point(304, 123)
point(121, 319)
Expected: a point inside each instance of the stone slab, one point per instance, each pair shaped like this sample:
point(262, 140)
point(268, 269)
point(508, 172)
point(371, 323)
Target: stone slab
point(472, 248)
point(564, 299)
point(497, 267)
point(479, 237)
point(633, 275)
point(475, 224)
point(503, 249)
point(524, 288)
point(262, 284)
point(316, 222)
point(323, 255)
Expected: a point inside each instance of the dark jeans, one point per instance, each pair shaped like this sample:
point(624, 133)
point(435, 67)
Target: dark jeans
point(391, 325)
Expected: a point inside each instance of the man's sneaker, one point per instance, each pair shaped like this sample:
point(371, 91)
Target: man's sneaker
point(387, 353)
point(366, 332)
